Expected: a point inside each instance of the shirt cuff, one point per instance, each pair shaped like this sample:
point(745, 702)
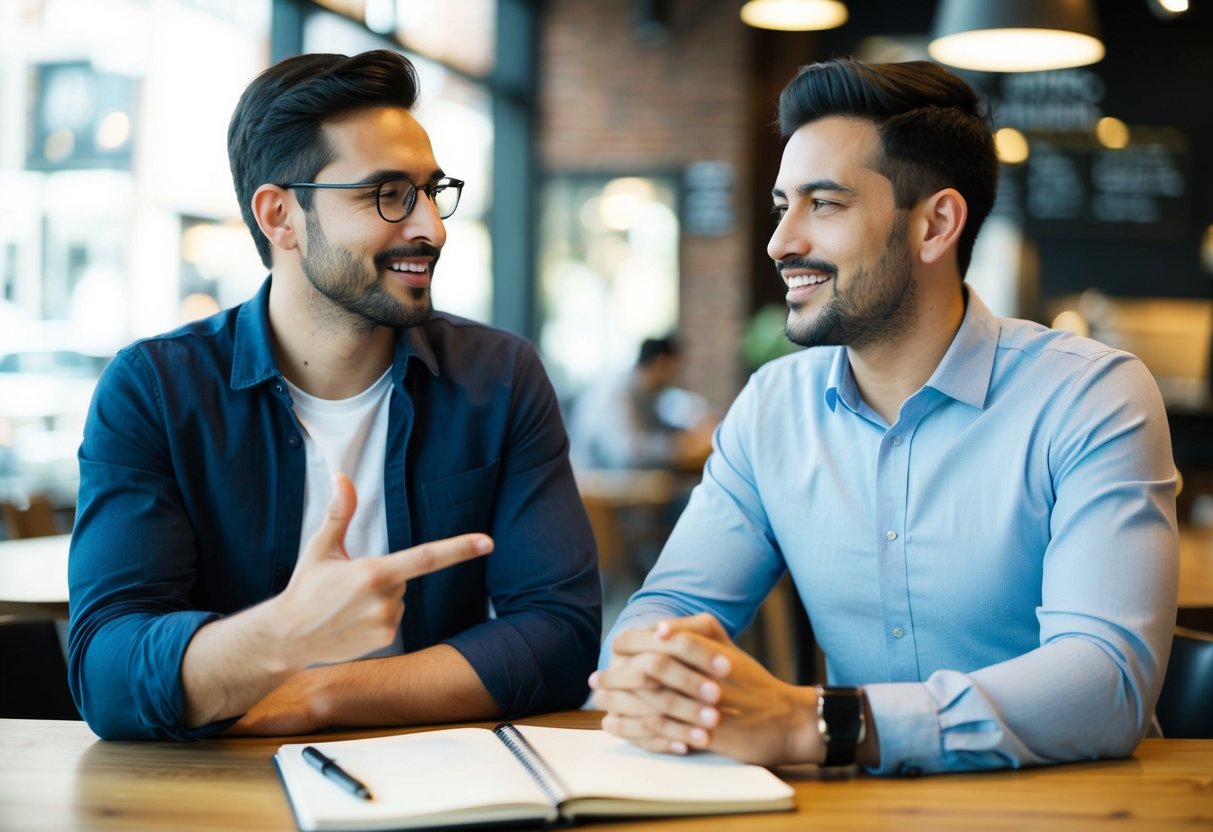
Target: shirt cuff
point(907, 728)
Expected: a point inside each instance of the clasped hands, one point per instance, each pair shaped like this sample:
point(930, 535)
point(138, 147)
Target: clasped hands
point(682, 684)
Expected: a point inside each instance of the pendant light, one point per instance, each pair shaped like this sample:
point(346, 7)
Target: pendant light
point(794, 15)
point(1015, 35)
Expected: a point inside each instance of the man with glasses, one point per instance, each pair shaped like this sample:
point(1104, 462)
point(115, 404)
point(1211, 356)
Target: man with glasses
point(240, 475)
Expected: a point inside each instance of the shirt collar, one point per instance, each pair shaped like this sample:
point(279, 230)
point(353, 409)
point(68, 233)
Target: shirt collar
point(840, 383)
point(965, 371)
point(963, 374)
point(414, 344)
point(253, 358)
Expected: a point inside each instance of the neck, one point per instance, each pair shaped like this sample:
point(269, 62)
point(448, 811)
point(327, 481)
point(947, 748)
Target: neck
point(889, 373)
point(318, 347)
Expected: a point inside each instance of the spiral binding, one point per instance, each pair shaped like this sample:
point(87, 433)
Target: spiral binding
point(532, 762)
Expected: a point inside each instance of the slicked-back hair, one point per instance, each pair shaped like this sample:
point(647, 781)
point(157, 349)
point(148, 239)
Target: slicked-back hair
point(934, 132)
point(275, 133)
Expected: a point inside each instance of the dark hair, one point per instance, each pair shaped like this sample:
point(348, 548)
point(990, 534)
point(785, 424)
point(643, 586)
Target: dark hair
point(651, 348)
point(933, 130)
point(275, 134)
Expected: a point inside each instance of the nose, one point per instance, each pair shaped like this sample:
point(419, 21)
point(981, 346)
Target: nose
point(423, 225)
point(787, 239)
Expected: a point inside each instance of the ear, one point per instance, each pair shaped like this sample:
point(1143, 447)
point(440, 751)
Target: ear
point(272, 209)
point(942, 217)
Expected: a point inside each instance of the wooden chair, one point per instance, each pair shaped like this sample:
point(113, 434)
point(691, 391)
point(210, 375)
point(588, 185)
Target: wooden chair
point(608, 497)
point(34, 518)
point(1185, 706)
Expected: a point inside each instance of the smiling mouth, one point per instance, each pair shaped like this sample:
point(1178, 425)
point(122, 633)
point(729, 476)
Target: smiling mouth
point(413, 274)
point(408, 268)
point(800, 281)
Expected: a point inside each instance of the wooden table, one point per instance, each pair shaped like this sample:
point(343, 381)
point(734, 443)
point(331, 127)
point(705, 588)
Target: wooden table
point(58, 776)
point(33, 575)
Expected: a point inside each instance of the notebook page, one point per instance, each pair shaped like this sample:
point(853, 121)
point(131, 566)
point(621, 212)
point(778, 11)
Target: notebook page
point(595, 763)
point(408, 774)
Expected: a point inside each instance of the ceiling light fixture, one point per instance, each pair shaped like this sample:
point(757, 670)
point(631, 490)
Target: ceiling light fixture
point(794, 15)
point(1015, 35)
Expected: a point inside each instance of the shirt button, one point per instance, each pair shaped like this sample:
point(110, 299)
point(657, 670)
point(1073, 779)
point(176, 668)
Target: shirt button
point(293, 440)
point(278, 388)
point(897, 440)
point(890, 535)
point(898, 632)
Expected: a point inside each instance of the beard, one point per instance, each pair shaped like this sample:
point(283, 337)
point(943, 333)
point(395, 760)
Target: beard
point(359, 296)
point(875, 306)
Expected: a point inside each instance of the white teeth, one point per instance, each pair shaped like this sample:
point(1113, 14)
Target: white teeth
point(418, 268)
point(805, 280)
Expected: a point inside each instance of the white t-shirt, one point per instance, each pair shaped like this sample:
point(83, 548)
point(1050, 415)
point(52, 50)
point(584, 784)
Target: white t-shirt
point(348, 436)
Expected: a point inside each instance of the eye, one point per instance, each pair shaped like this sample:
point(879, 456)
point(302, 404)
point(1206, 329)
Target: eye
point(778, 211)
point(823, 204)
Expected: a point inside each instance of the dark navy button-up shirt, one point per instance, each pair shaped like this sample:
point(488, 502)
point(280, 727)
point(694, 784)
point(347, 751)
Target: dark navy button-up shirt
point(191, 507)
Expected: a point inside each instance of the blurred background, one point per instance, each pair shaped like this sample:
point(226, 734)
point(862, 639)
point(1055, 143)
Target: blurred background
point(619, 156)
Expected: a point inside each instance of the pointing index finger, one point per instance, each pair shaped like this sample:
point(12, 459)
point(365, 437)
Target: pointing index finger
point(435, 555)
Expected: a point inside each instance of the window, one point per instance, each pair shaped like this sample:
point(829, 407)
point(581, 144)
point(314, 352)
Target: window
point(608, 262)
point(113, 124)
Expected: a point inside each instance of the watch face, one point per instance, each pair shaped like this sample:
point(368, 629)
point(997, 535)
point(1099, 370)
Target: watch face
point(840, 720)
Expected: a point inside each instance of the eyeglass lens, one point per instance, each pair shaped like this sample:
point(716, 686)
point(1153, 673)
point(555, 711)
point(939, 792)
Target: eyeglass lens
point(398, 196)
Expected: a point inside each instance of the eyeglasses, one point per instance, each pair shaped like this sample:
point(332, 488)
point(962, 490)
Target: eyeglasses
point(395, 198)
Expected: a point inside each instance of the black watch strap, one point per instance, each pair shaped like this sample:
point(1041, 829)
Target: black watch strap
point(840, 720)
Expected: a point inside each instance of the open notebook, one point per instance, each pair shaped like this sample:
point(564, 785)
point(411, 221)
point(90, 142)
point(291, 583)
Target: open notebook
point(522, 773)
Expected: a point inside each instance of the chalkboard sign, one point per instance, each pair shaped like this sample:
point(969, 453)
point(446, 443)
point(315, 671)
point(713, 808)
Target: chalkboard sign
point(1075, 187)
point(707, 203)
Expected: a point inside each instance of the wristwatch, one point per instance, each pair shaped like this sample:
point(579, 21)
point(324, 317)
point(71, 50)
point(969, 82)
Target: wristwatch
point(840, 720)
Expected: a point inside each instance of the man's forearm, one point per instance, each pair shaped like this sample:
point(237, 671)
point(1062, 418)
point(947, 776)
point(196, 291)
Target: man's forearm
point(232, 663)
point(432, 685)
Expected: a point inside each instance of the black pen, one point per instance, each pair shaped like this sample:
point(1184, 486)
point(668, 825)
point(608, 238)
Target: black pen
point(336, 773)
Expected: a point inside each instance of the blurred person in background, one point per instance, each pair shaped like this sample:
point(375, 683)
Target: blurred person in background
point(245, 477)
point(640, 419)
point(977, 512)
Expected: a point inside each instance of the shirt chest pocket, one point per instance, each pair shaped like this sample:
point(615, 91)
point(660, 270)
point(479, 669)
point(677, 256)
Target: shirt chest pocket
point(461, 503)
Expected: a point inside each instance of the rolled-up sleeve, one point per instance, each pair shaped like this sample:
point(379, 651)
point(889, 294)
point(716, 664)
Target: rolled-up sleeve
point(131, 567)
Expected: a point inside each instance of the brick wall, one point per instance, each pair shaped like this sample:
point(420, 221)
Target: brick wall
point(612, 100)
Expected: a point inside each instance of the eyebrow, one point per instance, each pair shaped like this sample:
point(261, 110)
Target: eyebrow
point(375, 177)
point(813, 187)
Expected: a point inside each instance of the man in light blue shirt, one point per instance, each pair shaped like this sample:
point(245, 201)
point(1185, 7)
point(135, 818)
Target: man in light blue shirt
point(978, 513)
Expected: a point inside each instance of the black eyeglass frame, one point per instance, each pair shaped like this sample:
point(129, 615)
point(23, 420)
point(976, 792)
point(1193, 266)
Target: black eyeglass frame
point(410, 200)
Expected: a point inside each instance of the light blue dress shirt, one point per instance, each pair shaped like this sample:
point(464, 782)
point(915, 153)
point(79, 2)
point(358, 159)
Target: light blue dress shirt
point(998, 568)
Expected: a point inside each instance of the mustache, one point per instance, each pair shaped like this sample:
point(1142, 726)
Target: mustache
point(811, 263)
point(421, 250)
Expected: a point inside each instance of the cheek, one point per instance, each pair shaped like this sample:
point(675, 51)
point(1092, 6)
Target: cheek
point(859, 249)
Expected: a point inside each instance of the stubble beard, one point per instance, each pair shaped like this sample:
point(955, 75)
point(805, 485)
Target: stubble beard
point(362, 304)
point(875, 306)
